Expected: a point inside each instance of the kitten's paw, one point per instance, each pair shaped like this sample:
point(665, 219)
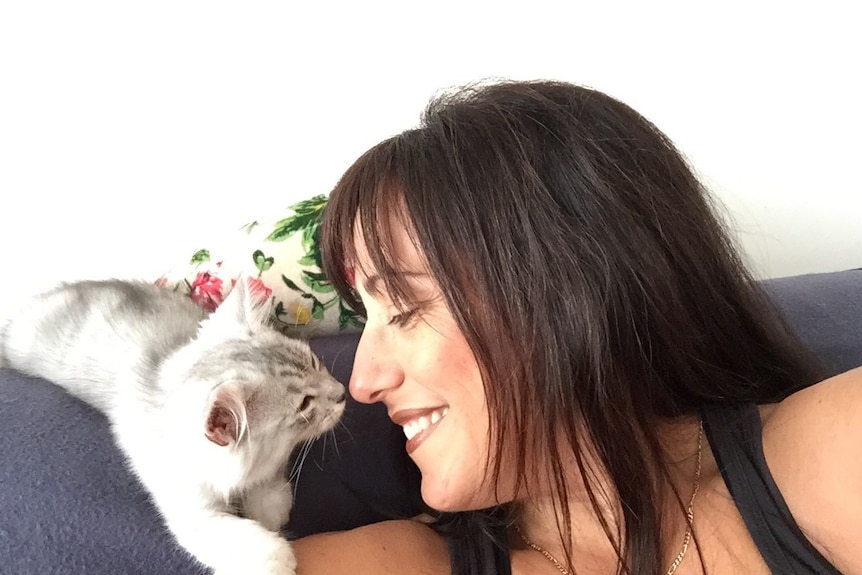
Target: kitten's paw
point(282, 562)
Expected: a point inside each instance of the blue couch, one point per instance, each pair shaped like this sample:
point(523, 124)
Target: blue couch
point(70, 506)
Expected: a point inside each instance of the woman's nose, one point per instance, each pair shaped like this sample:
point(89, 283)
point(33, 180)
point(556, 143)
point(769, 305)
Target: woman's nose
point(375, 369)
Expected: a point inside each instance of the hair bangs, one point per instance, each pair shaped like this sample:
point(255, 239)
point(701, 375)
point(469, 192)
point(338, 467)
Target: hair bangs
point(361, 210)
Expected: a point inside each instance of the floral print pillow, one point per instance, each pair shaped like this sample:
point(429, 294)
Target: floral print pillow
point(282, 263)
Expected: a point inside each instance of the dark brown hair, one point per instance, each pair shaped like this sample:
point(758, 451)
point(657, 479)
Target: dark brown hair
point(583, 262)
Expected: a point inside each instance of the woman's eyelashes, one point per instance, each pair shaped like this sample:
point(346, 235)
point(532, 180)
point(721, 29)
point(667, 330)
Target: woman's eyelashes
point(404, 318)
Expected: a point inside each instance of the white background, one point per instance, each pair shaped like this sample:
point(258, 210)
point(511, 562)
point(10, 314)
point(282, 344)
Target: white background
point(130, 132)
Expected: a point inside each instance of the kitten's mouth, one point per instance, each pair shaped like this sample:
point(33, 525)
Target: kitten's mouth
point(334, 415)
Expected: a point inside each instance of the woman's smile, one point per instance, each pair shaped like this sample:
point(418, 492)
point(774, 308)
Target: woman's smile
point(418, 424)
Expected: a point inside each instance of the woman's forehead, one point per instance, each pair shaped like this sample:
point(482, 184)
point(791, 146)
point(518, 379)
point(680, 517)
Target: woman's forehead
point(398, 246)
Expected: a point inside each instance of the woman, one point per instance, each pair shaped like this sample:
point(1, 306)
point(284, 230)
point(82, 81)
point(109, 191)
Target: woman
point(584, 370)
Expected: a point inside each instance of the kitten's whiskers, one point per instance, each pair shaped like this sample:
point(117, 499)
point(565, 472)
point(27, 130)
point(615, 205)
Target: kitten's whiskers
point(300, 460)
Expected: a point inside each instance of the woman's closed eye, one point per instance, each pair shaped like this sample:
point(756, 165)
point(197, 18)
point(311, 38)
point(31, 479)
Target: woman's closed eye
point(404, 318)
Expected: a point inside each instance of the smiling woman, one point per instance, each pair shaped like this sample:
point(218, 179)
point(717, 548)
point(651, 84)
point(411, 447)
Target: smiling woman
point(563, 328)
point(415, 338)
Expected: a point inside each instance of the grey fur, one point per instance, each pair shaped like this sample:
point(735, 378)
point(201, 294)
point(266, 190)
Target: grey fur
point(207, 408)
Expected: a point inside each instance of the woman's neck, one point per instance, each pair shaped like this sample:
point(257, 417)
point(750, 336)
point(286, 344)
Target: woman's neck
point(597, 527)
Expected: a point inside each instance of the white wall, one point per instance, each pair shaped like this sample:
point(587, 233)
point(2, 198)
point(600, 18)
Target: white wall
point(130, 131)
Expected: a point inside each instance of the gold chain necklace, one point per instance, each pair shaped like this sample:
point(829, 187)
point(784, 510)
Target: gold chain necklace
point(689, 513)
point(541, 550)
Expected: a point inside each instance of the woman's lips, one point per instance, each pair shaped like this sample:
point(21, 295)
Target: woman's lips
point(418, 424)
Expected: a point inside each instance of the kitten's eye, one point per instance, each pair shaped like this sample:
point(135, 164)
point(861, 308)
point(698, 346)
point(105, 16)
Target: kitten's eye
point(306, 403)
point(315, 361)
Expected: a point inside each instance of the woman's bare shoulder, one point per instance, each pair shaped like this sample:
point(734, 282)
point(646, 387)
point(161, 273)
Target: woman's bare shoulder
point(813, 445)
point(402, 547)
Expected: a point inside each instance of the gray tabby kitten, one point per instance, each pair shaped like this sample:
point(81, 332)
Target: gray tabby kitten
point(206, 408)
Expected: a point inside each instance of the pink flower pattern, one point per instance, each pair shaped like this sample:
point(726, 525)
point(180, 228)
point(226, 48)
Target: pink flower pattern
point(206, 291)
point(259, 290)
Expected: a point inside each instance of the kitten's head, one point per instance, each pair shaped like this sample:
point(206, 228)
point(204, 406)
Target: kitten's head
point(269, 392)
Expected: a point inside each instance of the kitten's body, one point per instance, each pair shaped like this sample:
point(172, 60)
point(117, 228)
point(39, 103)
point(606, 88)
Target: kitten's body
point(206, 409)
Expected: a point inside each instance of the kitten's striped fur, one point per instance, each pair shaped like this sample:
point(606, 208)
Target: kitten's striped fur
point(207, 409)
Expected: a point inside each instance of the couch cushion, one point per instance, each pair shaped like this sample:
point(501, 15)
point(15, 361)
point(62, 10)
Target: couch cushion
point(826, 311)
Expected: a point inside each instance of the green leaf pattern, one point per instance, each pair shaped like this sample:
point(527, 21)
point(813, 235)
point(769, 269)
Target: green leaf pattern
point(261, 262)
point(200, 256)
point(287, 260)
point(307, 218)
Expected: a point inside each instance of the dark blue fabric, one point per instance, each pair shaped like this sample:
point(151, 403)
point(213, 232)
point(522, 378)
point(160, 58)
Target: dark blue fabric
point(826, 311)
point(362, 474)
point(70, 506)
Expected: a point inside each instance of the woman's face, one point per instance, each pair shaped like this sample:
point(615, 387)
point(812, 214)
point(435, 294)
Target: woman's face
point(417, 363)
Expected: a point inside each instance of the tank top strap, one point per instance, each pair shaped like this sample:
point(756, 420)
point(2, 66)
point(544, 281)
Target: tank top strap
point(735, 435)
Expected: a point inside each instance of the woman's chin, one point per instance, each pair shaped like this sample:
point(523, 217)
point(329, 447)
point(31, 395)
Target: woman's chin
point(435, 500)
point(449, 499)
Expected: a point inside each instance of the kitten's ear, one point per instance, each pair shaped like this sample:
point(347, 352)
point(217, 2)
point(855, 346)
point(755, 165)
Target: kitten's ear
point(227, 420)
point(244, 306)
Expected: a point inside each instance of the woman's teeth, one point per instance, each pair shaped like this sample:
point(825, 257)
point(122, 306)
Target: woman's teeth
point(418, 425)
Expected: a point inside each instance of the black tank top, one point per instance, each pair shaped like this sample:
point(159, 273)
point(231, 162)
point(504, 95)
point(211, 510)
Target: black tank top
point(735, 435)
point(736, 438)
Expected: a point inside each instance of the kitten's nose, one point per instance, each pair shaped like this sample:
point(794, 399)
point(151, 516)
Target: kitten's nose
point(340, 397)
